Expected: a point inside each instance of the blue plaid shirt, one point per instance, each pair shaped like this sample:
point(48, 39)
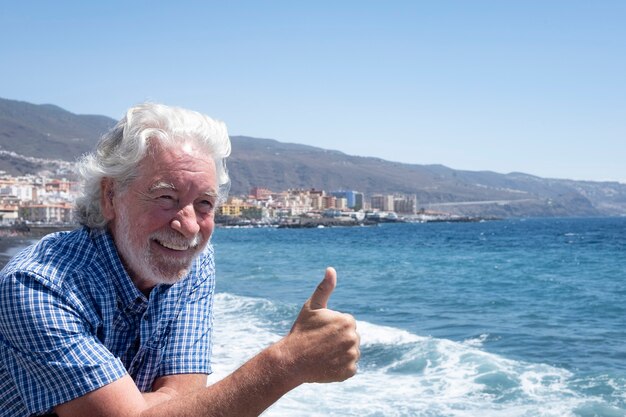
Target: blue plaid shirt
point(71, 321)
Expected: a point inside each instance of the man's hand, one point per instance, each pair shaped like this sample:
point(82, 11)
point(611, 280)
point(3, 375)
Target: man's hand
point(323, 345)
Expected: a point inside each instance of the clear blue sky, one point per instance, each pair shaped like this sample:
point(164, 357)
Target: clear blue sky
point(531, 86)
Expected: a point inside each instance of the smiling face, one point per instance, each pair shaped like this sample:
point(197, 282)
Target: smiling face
point(165, 217)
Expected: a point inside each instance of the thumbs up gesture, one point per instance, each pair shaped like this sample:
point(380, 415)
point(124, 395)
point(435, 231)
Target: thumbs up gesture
point(323, 345)
point(321, 295)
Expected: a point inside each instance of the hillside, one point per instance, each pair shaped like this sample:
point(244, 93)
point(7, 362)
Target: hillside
point(276, 165)
point(47, 131)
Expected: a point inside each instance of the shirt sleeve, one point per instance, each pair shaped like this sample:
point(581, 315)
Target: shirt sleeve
point(49, 346)
point(189, 342)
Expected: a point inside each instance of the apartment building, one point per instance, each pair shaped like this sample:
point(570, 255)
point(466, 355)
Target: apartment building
point(47, 213)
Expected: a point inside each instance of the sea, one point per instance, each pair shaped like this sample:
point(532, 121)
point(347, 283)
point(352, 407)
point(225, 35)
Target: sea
point(510, 318)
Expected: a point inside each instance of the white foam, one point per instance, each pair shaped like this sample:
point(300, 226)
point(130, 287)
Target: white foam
point(372, 334)
point(424, 377)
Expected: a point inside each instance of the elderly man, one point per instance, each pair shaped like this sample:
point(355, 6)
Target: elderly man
point(115, 318)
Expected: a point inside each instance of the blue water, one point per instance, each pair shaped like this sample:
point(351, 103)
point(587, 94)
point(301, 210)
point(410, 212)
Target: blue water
point(503, 318)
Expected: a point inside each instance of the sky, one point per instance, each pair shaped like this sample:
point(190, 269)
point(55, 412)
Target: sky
point(529, 86)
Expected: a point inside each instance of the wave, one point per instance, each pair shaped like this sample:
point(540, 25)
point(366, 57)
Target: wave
point(404, 374)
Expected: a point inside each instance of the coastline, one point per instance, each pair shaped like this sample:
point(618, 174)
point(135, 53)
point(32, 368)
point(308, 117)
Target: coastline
point(10, 245)
point(12, 239)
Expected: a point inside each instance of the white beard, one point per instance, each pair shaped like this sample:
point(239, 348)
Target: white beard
point(141, 263)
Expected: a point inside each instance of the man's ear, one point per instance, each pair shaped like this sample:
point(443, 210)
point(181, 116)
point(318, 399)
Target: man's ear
point(107, 192)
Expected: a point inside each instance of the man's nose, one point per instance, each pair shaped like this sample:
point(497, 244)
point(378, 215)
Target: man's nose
point(185, 222)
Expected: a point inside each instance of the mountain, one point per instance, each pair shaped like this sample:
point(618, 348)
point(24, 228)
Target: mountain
point(279, 166)
point(49, 132)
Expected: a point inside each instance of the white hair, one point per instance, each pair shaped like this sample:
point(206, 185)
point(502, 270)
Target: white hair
point(119, 152)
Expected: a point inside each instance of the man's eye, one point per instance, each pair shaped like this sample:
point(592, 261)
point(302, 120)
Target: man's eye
point(166, 200)
point(205, 206)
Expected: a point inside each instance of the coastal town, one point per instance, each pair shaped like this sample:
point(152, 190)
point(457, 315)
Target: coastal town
point(39, 200)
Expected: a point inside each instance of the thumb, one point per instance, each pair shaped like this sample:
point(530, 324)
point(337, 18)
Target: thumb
point(322, 293)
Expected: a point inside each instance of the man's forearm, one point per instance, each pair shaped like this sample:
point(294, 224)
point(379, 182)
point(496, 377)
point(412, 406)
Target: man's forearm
point(246, 392)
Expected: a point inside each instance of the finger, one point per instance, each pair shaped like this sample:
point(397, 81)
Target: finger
point(322, 293)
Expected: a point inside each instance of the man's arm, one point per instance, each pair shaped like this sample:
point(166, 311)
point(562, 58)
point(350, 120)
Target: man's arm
point(322, 346)
point(169, 387)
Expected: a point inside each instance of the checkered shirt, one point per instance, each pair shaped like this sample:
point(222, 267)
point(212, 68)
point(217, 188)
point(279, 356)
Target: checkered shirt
point(71, 321)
